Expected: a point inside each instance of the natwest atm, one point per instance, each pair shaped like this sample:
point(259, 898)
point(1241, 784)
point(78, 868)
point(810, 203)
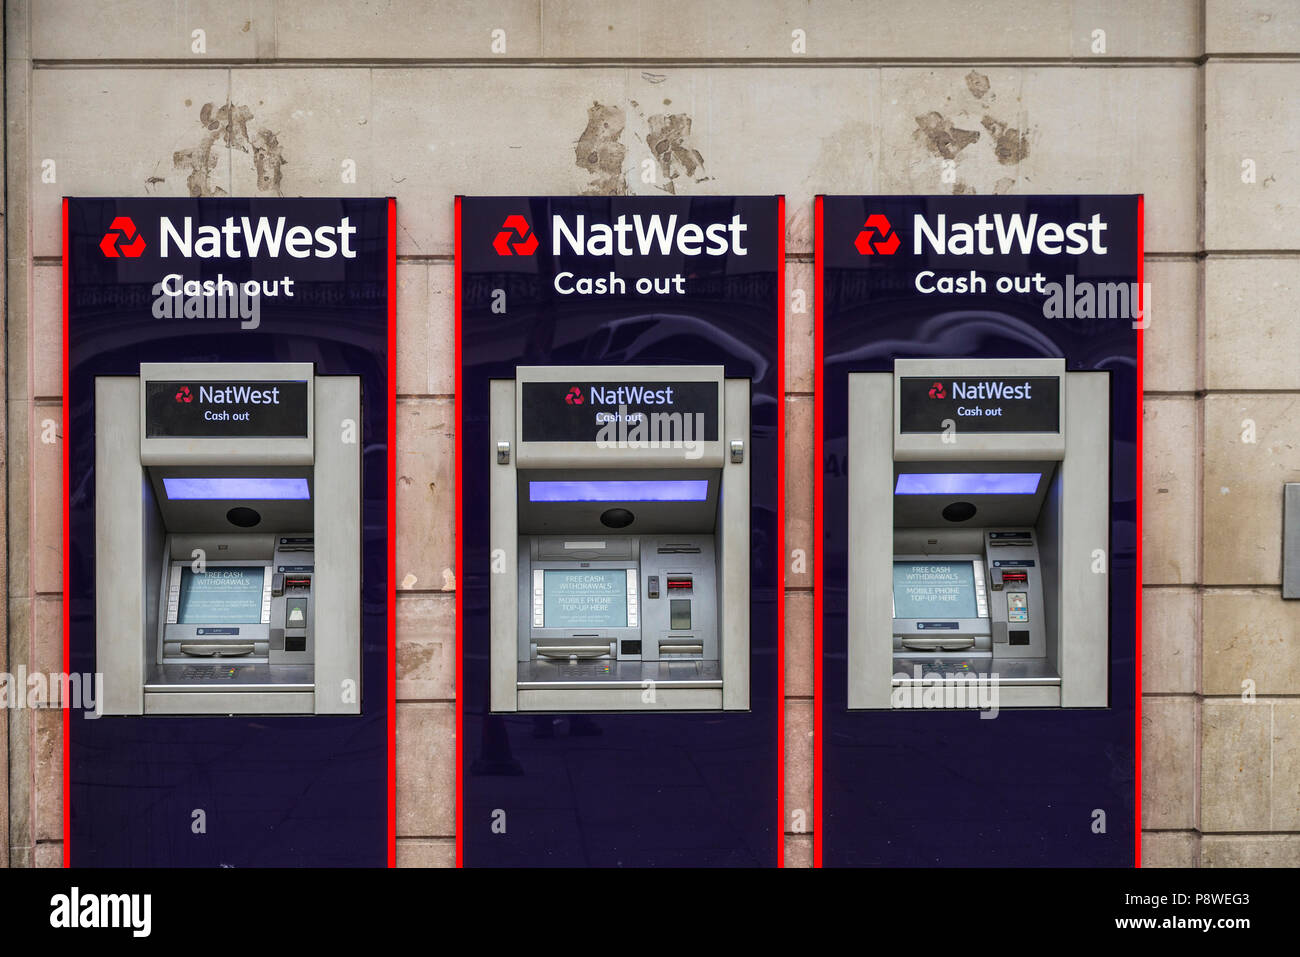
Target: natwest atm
point(229, 470)
point(978, 437)
point(618, 491)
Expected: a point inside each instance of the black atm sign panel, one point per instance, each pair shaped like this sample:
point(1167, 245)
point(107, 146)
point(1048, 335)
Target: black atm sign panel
point(589, 412)
point(931, 404)
point(244, 409)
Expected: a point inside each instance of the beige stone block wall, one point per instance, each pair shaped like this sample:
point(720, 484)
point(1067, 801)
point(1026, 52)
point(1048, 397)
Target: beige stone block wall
point(1188, 101)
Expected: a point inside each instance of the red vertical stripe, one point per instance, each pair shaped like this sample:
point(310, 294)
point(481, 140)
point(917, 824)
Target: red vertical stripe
point(460, 567)
point(392, 532)
point(780, 529)
point(1137, 559)
point(67, 565)
point(818, 489)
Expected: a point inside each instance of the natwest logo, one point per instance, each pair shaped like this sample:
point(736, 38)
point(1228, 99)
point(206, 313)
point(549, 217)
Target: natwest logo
point(986, 389)
point(263, 236)
point(647, 235)
point(1006, 234)
point(515, 225)
point(183, 394)
point(573, 396)
point(877, 236)
point(237, 395)
point(937, 391)
point(630, 395)
point(122, 239)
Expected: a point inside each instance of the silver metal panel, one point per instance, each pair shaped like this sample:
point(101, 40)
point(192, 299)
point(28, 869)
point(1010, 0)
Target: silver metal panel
point(123, 591)
point(1048, 529)
point(587, 673)
point(1037, 603)
point(503, 538)
point(277, 450)
point(1291, 540)
point(229, 676)
point(733, 543)
point(708, 622)
point(520, 680)
point(1010, 671)
point(1085, 529)
point(337, 575)
point(620, 699)
point(971, 445)
point(871, 539)
point(1036, 696)
point(588, 454)
point(1022, 683)
point(253, 702)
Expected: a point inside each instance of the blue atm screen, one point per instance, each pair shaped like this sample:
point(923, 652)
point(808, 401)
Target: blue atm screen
point(586, 598)
point(934, 590)
point(225, 595)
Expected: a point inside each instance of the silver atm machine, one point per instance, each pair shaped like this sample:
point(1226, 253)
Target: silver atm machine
point(620, 539)
point(228, 540)
point(978, 543)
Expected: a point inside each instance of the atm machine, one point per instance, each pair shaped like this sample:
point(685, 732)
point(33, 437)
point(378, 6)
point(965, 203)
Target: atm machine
point(979, 532)
point(620, 539)
point(228, 540)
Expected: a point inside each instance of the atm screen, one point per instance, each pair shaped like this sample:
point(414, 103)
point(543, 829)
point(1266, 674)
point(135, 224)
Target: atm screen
point(229, 594)
point(944, 590)
point(584, 598)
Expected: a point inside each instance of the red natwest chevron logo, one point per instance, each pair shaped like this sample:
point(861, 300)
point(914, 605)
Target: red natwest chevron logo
point(937, 391)
point(122, 239)
point(886, 245)
point(573, 396)
point(514, 226)
point(184, 395)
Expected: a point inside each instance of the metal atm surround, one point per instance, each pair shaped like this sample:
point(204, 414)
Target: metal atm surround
point(1060, 527)
point(144, 540)
point(534, 668)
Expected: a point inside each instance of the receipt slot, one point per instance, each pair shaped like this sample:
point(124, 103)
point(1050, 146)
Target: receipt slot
point(228, 540)
point(620, 504)
point(979, 507)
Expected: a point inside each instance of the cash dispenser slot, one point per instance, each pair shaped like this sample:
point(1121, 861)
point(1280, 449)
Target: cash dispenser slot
point(622, 554)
